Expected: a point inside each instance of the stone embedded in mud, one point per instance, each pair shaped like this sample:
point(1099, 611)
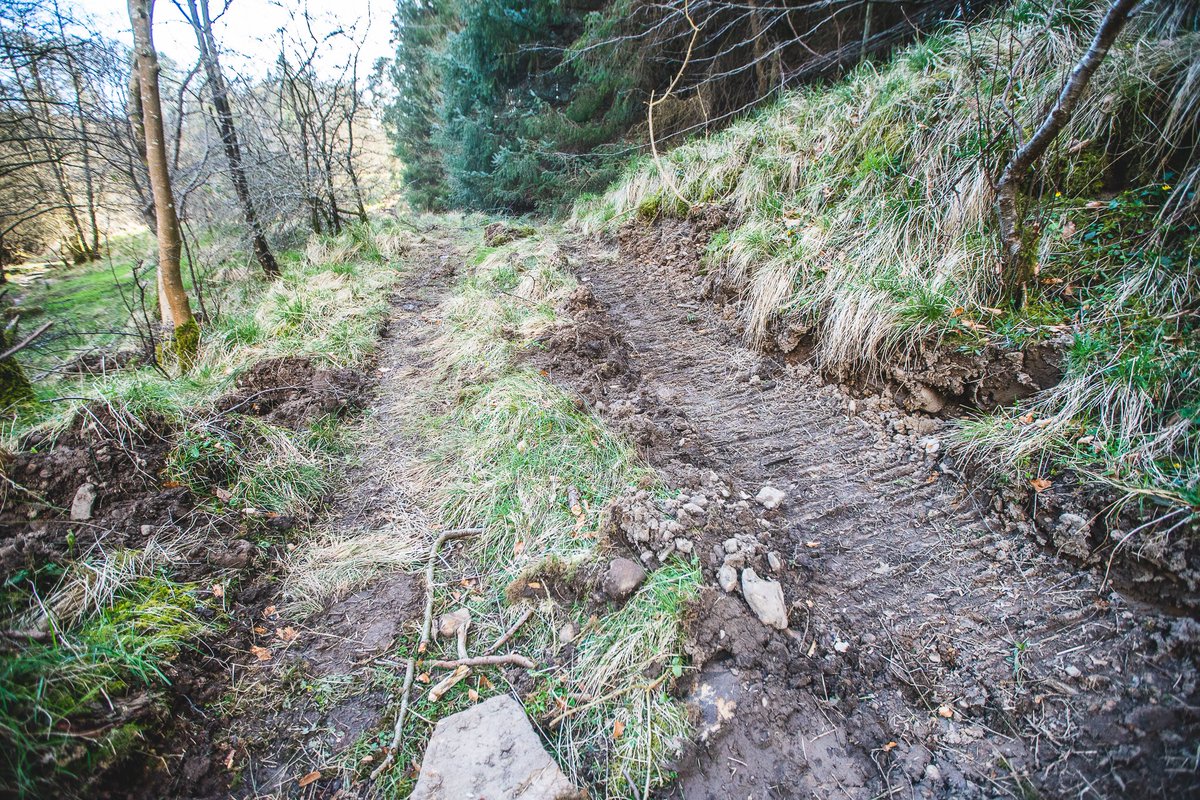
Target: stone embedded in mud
point(623, 576)
point(770, 498)
point(925, 399)
point(85, 499)
point(765, 598)
point(727, 578)
point(490, 750)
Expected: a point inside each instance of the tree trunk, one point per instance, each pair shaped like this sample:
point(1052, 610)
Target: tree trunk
point(202, 25)
point(14, 386)
point(170, 244)
point(1018, 265)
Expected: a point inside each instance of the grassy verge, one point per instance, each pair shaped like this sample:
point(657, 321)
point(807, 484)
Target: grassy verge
point(863, 211)
point(94, 633)
point(513, 454)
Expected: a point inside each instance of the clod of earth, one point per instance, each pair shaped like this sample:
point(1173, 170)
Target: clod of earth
point(770, 498)
point(490, 750)
point(765, 598)
point(622, 578)
point(81, 505)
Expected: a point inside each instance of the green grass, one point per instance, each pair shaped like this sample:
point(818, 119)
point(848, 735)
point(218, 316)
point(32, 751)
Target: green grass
point(57, 717)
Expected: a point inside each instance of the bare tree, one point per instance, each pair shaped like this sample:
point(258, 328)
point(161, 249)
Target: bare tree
point(197, 14)
point(1018, 263)
point(187, 332)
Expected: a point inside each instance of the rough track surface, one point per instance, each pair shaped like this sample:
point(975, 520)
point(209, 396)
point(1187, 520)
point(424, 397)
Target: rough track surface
point(931, 653)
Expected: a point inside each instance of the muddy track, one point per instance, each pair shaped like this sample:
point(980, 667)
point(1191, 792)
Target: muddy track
point(929, 653)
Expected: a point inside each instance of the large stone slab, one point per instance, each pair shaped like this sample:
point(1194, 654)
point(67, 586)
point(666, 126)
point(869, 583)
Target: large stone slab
point(490, 752)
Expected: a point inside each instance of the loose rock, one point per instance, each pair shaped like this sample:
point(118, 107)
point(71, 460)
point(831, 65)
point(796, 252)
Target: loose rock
point(765, 598)
point(727, 578)
point(81, 506)
point(770, 498)
point(448, 624)
point(490, 750)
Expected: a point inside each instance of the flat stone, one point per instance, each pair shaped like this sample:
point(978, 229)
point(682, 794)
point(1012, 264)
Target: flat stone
point(770, 498)
point(765, 598)
point(623, 577)
point(490, 750)
point(81, 505)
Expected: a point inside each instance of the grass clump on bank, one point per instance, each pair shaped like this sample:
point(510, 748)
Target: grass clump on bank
point(516, 455)
point(89, 665)
point(863, 212)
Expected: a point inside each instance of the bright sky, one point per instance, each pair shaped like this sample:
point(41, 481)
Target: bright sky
point(248, 33)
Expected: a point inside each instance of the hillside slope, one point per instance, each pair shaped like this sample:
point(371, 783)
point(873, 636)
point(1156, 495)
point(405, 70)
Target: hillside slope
point(860, 232)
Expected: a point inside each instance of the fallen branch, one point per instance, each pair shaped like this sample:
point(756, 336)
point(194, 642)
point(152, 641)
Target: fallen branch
point(28, 340)
point(426, 624)
point(509, 633)
point(486, 661)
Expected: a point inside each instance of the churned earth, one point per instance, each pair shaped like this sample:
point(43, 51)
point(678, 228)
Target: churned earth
point(933, 649)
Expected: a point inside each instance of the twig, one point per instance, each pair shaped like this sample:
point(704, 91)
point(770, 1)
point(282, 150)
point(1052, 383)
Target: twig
point(509, 633)
point(28, 340)
point(426, 624)
point(485, 661)
point(649, 687)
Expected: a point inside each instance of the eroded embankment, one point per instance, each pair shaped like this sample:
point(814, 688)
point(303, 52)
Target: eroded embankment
point(933, 647)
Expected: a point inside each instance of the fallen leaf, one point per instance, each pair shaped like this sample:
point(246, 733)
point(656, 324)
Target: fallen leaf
point(518, 548)
point(812, 544)
point(484, 683)
point(1040, 484)
point(473, 695)
point(889, 746)
point(261, 653)
point(423, 677)
point(269, 611)
point(945, 711)
point(958, 311)
point(218, 591)
point(973, 325)
point(1027, 418)
point(535, 585)
point(287, 634)
point(260, 630)
point(618, 729)
point(315, 775)
point(224, 495)
point(171, 484)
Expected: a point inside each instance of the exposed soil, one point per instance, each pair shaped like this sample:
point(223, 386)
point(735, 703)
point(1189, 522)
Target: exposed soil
point(935, 649)
point(292, 391)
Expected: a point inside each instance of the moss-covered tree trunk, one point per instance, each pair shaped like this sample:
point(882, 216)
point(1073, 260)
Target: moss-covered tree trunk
point(14, 386)
point(185, 342)
point(1018, 242)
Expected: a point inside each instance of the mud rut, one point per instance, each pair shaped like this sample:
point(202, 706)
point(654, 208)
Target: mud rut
point(930, 654)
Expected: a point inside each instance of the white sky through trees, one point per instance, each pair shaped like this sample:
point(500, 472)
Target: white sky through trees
point(249, 31)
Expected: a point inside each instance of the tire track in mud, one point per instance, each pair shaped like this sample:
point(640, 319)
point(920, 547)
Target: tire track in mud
point(930, 653)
